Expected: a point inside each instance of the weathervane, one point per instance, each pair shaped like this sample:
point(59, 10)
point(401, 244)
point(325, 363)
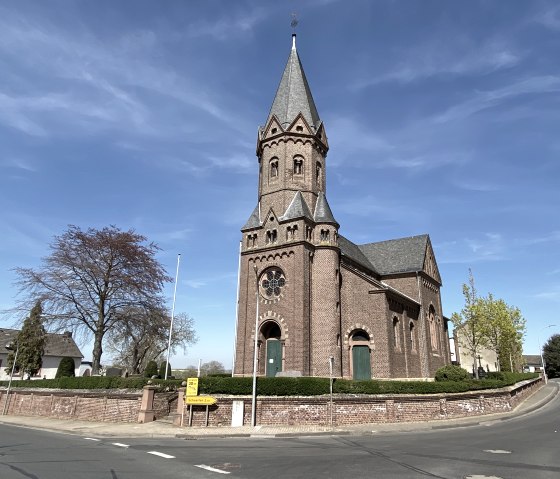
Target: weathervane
point(294, 22)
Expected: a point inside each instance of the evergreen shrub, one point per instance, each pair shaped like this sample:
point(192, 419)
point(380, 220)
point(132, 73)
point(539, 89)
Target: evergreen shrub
point(66, 368)
point(451, 373)
point(151, 369)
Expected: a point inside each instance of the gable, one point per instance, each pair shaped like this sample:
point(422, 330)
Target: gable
point(430, 265)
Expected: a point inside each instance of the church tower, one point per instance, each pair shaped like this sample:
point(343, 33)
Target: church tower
point(290, 256)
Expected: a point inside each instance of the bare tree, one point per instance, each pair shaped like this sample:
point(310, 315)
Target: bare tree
point(91, 277)
point(142, 335)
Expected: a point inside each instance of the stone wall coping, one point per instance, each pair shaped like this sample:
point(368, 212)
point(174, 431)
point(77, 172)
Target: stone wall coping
point(108, 393)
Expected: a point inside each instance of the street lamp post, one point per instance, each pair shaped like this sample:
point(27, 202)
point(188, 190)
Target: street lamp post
point(255, 358)
point(9, 347)
point(541, 351)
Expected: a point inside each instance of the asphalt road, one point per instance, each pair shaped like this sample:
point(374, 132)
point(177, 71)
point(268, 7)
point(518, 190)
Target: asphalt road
point(526, 447)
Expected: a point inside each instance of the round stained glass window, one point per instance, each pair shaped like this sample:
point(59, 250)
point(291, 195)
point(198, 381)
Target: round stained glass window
point(271, 283)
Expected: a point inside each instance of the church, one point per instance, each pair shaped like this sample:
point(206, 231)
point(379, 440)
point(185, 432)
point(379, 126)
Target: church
point(312, 302)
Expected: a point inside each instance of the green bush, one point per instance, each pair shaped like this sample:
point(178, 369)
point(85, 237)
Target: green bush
point(66, 368)
point(304, 386)
point(151, 369)
point(162, 369)
point(451, 373)
point(496, 375)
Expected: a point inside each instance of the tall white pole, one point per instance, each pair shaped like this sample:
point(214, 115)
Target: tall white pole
point(541, 351)
point(254, 398)
point(172, 316)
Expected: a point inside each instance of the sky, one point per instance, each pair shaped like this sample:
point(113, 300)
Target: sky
point(442, 118)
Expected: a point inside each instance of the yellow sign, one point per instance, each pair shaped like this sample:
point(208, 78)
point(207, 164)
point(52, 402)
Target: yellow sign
point(192, 387)
point(200, 400)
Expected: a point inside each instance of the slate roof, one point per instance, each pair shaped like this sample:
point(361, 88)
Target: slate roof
point(253, 221)
point(294, 95)
point(298, 209)
point(401, 255)
point(56, 345)
point(323, 213)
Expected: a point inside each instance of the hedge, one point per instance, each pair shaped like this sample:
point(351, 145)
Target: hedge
point(303, 386)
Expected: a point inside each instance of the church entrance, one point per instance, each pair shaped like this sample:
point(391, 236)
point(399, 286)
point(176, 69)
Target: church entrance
point(273, 357)
point(361, 362)
point(271, 332)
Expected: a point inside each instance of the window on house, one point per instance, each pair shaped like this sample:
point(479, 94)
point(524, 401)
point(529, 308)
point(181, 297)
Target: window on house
point(271, 236)
point(318, 172)
point(433, 329)
point(274, 130)
point(412, 337)
point(299, 128)
point(325, 235)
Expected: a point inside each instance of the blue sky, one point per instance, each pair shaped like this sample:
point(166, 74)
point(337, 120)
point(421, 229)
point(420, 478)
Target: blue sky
point(442, 118)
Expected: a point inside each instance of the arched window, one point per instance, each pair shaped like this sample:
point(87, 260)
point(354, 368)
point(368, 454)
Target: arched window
point(318, 172)
point(298, 165)
point(274, 168)
point(412, 337)
point(433, 329)
point(396, 335)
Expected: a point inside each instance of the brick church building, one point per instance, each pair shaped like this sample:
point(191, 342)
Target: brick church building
point(366, 311)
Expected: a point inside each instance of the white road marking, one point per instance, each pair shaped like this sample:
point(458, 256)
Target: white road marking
point(161, 454)
point(476, 476)
point(497, 451)
point(91, 439)
point(119, 444)
point(209, 468)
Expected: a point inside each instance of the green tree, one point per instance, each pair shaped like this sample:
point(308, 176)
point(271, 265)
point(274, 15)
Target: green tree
point(151, 369)
point(551, 356)
point(91, 277)
point(30, 344)
point(504, 327)
point(469, 323)
point(212, 367)
point(162, 369)
point(66, 368)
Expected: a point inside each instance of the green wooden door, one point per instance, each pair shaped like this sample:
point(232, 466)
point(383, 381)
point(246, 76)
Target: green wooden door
point(361, 363)
point(273, 357)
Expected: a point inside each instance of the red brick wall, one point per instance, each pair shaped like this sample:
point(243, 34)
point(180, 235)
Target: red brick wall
point(301, 411)
point(74, 405)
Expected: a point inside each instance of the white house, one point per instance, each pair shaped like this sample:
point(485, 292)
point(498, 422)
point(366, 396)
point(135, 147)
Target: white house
point(57, 346)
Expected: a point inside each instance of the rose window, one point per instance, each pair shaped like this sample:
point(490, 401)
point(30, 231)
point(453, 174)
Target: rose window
point(271, 283)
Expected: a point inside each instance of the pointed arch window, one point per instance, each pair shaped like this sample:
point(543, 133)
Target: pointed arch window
point(396, 334)
point(433, 329)
point(318, 172)
point(412, 337)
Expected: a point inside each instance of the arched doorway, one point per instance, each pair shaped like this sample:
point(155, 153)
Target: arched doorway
point(272, 334)
point(361, 361)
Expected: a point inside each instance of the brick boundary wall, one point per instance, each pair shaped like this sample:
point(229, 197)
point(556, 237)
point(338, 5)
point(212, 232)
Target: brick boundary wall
point(117, 406)
point(102, 406)
point(363, 409)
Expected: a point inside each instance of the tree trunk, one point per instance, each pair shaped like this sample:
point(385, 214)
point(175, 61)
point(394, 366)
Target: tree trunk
point(97, 351)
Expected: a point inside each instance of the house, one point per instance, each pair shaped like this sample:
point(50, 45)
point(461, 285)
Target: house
point(532, 363)
point(485, 358)
point(311, 301)
point(57, 346)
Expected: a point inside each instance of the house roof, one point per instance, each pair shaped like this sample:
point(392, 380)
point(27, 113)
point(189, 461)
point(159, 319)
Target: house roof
point(534, 359)
point(56, 344)
point(253, 221)
point(353, 252)
point(294, 95)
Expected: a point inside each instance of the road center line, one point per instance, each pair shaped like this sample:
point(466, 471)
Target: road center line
point(119, 444)
point(91, 439)
point(497, 451)
point(209, 468)
point(161, 454)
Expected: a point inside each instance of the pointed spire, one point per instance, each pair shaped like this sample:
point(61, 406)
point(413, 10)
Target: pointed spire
point(298, 209)
point(254, 220)
point(294, 95)
point(323, 213)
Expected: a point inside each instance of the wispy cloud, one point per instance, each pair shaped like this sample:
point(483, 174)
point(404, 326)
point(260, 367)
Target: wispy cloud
point(485, 247)
point(227, 27)
point(430, 60)
point(549, 18)
point(18, 164)
point(484, 100)
point(553, 237)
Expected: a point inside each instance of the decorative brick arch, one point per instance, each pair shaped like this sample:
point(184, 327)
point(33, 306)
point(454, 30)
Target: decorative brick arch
point(356, 327)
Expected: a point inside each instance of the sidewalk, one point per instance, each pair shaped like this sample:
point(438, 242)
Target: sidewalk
point(166, 429)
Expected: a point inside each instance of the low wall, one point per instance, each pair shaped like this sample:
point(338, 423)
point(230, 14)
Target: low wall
point(72, 404)
point(362, 409)
point(115, 406)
